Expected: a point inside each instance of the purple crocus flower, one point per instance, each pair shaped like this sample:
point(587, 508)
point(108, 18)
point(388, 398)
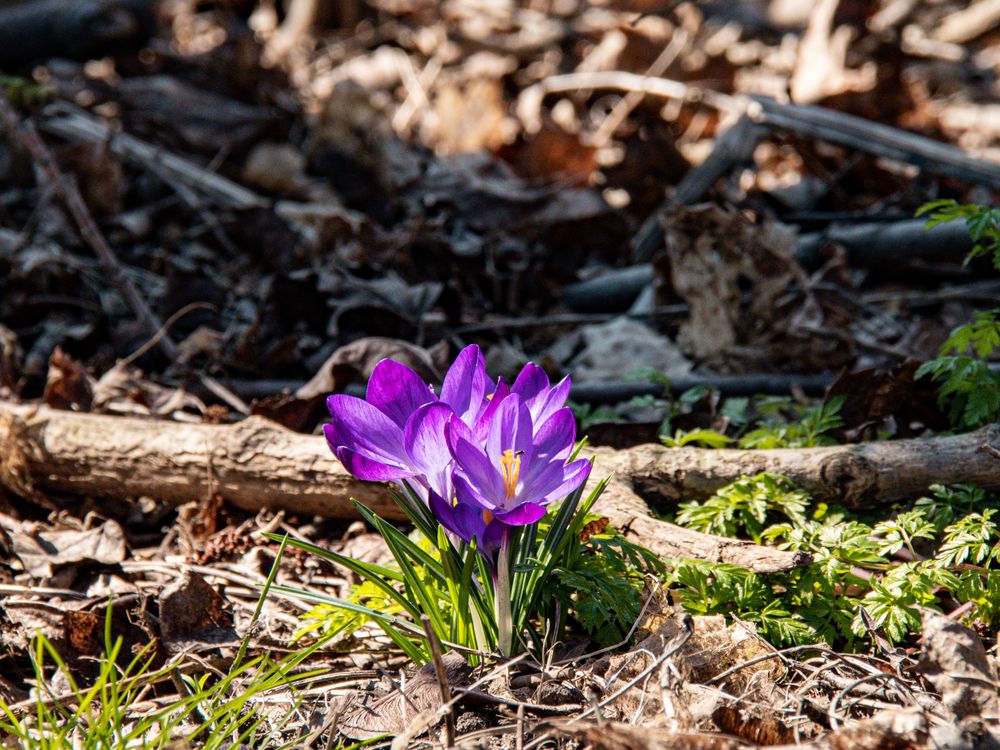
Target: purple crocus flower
point(375, 437)
point(520, 469)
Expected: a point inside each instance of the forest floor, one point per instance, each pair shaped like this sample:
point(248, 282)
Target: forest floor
point(213, 215)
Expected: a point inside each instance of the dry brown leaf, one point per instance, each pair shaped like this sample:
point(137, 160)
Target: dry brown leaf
point(190, 609)
point(615, 736)
point(611, 349)
point(956, 663)
point(394, 712)
point(69, 385)
point(357, 360)
point(42, 551)
point(714, 255)
point(11, 359)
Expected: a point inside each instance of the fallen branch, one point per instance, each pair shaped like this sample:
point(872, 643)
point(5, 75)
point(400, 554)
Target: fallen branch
point(855, 475)
point(614, 392)
point(81, 127)
point(26, 134)
point(807, 121)
point(887, 244)
point(257, 464)
point(824, 124)
point(733, 148)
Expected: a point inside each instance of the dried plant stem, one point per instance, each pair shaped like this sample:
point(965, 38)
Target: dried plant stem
point(442, 678)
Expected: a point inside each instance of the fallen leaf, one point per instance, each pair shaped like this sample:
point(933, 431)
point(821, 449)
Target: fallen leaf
point(394, 712)
point(358, 359)
point(956, 663)
point(43, 551)
point(69, 385)
point(612, 349)
point(191, 610)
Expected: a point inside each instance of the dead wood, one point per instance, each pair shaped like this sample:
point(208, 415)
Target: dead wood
point(734, 147)
point(887, 244)
point(257, 464)
point(760, 112)
point(27, 135)
point(614, 392)
point(32, 30)
point(79, 126)
point(854, 475)
point(877, 139)
point(612, 291)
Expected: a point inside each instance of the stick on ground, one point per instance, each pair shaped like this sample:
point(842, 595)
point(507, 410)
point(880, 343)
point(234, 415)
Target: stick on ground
point(257, 464)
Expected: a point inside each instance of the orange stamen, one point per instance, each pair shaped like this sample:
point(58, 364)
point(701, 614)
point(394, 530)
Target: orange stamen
point(510, 469)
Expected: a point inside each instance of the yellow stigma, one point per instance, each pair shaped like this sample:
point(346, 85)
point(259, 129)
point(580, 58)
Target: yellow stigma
point(510, 468)
point(487, 516)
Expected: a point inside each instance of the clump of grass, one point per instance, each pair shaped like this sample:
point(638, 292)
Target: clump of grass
point(121, 709)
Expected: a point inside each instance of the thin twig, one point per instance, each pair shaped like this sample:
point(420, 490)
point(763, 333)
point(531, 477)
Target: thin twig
point(27, 135)
point(631, 100)
point(442, 678)
point(165, 328)
point(671, 648)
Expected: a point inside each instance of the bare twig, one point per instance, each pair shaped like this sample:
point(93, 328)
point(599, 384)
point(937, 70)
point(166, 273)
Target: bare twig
point(28, 137)
point(669, 650)
point(77, 125)
point(631, 100)
point(442, 678)
point(165, 328)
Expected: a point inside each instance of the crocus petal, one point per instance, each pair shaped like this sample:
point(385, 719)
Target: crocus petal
point(464, 520)
point(427, 445)
point(510, 429)
point(482, 426)
point(397, 391)
point(574, 474)
point(464, 386)
point(522, 515)
point(531, 383)
point(554, 400)
point(469, 494)
point(365, 468)
point(491, 540)
point(472, 461)
point(424, 437)
point(556, 436)
point(542, 475)
point(364, 429)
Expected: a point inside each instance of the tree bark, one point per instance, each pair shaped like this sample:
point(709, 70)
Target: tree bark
point(257, 464)
point(855, 475)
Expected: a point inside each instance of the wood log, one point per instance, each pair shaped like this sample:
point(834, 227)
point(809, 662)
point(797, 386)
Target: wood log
point(881, 244)
point(613, 291)
point(733, 147)
point(79, 126)
point(613, 392)
point(257, 464)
